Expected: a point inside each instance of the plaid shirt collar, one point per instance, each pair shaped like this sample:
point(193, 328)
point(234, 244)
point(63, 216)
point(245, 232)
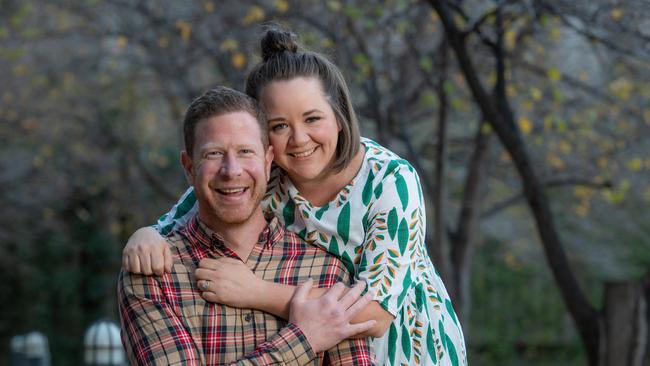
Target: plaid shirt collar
point(199, 232)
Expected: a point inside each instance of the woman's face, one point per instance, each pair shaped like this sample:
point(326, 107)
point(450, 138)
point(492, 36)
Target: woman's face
point(303, 129)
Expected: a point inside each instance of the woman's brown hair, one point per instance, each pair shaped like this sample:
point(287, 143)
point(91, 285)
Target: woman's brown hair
point(281, 60)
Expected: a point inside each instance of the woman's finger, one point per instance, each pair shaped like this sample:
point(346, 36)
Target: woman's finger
point(169, 261)
point(353, 294)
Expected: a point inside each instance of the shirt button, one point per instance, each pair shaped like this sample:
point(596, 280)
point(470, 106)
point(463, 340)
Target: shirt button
point(248, 317)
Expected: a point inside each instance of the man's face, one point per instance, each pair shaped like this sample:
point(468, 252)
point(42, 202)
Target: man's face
point(228, 169)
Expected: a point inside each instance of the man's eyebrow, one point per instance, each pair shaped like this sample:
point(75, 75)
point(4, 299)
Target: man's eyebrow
point(208, 145)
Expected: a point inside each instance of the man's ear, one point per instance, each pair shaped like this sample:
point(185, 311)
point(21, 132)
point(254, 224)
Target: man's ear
point(188, 167)
point(268, 161)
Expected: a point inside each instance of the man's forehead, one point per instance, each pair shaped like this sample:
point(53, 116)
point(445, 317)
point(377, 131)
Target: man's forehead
point(229, 130)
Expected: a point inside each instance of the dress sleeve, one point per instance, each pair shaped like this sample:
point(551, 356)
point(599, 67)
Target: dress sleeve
point(179, 215)
point(394, 235)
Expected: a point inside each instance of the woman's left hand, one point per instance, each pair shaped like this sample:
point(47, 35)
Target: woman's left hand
point(228, 281)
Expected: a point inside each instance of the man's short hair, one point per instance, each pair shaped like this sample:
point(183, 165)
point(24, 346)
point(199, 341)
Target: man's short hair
point(218, 101)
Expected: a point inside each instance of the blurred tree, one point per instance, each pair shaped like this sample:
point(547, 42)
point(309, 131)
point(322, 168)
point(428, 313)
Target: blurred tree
point(94, 93)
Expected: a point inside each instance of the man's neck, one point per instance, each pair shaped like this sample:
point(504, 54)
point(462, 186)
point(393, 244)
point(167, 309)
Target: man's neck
point(240, 237)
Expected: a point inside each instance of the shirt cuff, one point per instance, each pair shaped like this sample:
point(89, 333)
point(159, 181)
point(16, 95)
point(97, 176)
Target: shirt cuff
point(292, 344)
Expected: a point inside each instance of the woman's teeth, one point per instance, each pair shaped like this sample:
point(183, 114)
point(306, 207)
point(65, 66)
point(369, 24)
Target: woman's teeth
point(304, 153)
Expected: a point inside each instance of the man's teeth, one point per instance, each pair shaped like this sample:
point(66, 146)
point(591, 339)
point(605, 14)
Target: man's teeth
point(231, 190)
point(304, 153)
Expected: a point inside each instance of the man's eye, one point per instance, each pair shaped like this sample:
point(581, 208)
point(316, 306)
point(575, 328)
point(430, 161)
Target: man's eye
point(247, 151)
point(213, 154)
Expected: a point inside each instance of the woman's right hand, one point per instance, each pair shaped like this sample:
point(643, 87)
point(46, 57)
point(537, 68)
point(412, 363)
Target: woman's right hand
point(147, 253)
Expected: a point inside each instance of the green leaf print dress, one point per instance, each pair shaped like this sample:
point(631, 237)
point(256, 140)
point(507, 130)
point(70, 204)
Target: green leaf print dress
point(376, 226)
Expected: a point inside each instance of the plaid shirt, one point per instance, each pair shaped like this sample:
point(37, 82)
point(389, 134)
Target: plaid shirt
point(166, 322)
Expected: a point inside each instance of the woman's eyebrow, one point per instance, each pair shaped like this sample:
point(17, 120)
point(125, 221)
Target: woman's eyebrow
point(275, 119)
point(312, 111)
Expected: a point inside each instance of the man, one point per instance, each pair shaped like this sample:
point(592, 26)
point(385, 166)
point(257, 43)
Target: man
point(164, 319)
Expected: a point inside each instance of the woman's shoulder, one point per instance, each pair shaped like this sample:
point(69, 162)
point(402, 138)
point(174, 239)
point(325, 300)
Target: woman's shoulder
point(383, 161)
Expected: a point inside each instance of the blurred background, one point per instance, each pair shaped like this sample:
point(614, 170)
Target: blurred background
point(528, 121)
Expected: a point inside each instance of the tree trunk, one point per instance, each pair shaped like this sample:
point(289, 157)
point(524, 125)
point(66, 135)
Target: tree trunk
point(626, 324)
point(465, 235)
point(585, 316)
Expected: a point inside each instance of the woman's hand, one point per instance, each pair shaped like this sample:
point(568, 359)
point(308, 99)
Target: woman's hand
point(147, 253)
point(230, 282)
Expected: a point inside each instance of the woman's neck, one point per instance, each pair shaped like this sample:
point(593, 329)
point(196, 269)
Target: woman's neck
point(324, 189)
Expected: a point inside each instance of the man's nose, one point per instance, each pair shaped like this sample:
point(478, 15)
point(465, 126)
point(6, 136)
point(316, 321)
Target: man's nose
point(230, 166)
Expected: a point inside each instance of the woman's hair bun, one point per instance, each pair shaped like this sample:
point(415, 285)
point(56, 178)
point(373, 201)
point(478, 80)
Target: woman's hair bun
point(276, 41)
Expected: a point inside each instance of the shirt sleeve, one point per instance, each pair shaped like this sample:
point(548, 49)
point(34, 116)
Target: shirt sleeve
point(394, 235)
point(179, 215)
point(152, 333)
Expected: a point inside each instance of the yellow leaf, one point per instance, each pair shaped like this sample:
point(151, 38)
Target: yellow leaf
point(185, 29)
point(556, 34)
point(486, 128)
point(208, 6)
point(555, 162)
point(121, 41)
point(554, 74)
point(535, 93)
point(565, 147)
point(635, 164)
point(583, 192)
point(511, 39)
point(238, 60)
point(582, 209)
point(19, 70)
point(255, 14)
point(511, 90)
point(525, 125)
point(228, 45)
point(163, 42)
point(334, 6)
point(282, 5)
point(621, 87)
point(616, 14)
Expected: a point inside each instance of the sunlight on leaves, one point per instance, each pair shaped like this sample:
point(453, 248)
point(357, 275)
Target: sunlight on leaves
point(238, 60)
point(282, 6)
point(525, 125)
point(209, 6)
point(185, 29)
point(255, 14)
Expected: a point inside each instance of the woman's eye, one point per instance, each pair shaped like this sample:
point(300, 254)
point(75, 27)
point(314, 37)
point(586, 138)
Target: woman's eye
point(278, 127)
point(313, 119)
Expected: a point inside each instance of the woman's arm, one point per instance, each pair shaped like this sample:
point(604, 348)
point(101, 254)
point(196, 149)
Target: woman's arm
point(147, 253)
point(231, 282)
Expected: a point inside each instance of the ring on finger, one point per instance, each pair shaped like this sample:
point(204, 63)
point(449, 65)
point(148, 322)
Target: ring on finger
point(204, 285)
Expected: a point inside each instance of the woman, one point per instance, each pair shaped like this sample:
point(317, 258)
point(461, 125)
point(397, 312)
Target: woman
point(346, 194)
